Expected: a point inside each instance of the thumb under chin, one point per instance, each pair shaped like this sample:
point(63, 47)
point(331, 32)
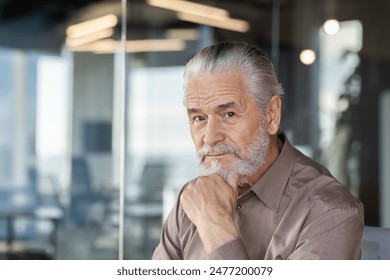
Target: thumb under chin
point(233, 180)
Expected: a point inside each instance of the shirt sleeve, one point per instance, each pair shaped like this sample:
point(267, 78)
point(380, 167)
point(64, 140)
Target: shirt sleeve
point(170, 247)
point(336, 234)
point(233, 250)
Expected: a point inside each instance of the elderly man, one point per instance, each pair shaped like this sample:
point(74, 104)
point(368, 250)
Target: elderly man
point(257, 197)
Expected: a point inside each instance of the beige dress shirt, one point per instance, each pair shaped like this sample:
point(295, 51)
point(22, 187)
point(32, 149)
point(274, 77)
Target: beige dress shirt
point(296, 210)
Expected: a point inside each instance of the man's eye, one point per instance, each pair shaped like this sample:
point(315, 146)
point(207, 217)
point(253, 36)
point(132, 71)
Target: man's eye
point(230, 114)
point(198, 118)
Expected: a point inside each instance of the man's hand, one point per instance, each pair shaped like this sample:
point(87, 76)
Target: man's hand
point(210, 203)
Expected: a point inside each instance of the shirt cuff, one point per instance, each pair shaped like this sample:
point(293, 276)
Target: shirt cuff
point(233, 250)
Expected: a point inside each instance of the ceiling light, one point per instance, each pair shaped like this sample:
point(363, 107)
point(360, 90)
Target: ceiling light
point(189, 7)
point(133, 46)
point(155, 45)
point(331, 26)
point(226, 23)
point(307, 57)
point(182, 33)
point(74, 42)
point(91, 26)
point(202, 14)
point(104, 45)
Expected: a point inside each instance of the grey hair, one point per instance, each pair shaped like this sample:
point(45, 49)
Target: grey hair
point(257, 70)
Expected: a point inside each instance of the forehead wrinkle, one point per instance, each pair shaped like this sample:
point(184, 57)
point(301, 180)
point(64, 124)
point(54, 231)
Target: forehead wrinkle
point(210, 95)
point(202, 92)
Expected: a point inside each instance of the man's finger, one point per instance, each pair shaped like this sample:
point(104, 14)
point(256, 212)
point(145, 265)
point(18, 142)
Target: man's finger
point(233, 182)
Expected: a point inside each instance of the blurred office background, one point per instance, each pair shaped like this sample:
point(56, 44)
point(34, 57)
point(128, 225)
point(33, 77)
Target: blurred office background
point(94, 141)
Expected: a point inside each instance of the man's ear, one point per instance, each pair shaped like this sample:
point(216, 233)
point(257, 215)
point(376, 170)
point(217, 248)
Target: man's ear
point(273, 114)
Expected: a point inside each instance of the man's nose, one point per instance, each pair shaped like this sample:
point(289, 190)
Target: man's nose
point(213, 133)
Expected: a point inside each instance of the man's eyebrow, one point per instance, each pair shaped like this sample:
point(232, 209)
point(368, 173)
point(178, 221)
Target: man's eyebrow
point(226, 106)
point(192, 110)
point(220, 107)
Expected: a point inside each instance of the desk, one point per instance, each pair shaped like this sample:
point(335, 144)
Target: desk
point(147, 215)
point(10, 215)
point(16, 203)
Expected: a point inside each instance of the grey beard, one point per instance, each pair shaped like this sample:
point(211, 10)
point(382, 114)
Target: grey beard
point(245, 165)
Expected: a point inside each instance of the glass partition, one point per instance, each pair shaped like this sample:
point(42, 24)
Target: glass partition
point(59, 186)
point(94, 140)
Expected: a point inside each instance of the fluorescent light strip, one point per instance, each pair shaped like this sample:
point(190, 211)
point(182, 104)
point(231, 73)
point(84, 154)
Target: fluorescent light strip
point(91, 26)
point(228, 23)
point(155, 45)
point(184, 33)
point(189, 7)
point(103, 45)
point(111, 46)
point(71, 42)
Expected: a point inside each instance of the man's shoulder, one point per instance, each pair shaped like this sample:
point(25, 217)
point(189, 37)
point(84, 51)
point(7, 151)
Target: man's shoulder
point(320, 186)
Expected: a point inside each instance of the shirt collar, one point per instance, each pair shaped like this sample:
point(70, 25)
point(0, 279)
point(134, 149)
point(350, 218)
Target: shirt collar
point(270, 187)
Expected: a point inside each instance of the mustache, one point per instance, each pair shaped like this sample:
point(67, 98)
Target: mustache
point(218, 149)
